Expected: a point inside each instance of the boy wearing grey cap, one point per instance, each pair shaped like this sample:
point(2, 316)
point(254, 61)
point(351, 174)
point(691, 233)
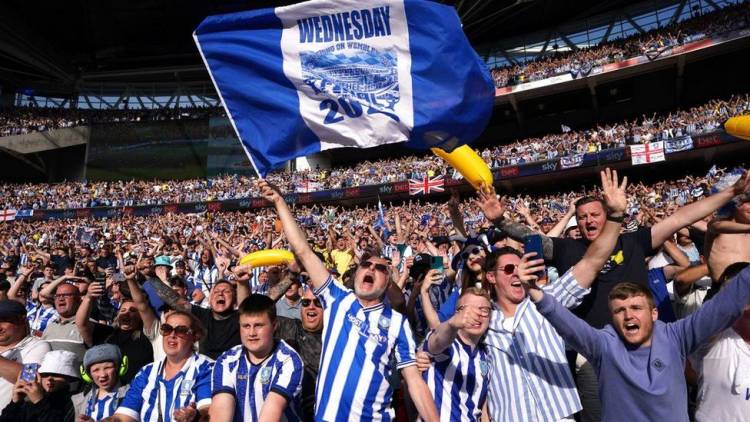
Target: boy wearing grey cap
point(103, 365)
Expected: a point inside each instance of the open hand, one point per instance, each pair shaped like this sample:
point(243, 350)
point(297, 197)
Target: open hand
point(614, 192)
point(488, 202)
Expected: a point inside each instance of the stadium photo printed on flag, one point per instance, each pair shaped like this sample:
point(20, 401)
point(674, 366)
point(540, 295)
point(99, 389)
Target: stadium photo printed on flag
point(327, 74)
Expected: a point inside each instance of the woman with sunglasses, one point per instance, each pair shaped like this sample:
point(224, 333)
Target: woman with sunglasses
point(177, 388)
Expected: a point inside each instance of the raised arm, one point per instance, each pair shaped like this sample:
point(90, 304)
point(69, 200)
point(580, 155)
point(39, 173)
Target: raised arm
point(224, 243)
point(598, 252)
point(17, 284)
point(576, 332)
point(433, 277)
point(684, 280)
point(455, 213)
point(297, 239)
point(83, 323)
point(559, 228)
point(691, 213)
point(148, 316)
point(728, 227)
point(493, 209)
point(445, 333)
point(715, 315)
point(49, 290)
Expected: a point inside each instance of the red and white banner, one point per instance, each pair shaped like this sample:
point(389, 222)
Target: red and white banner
point(426, 185)
point(647, 153)
point(7, 215)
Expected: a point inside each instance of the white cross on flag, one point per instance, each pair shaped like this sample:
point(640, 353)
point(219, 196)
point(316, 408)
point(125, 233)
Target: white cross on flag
point(426, 185)
point(647, 153)
point(7, 215)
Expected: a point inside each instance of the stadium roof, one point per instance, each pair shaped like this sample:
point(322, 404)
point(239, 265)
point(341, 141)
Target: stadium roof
point(60, 47)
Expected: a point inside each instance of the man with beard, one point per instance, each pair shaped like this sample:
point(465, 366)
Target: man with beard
point(126, 334)
point(361, 336)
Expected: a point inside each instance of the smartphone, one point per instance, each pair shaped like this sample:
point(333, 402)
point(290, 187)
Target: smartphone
point(436, 263)
point(28, 372)
point(533, 243)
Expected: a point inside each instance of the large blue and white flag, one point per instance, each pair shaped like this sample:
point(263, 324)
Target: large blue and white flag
point(326, 74)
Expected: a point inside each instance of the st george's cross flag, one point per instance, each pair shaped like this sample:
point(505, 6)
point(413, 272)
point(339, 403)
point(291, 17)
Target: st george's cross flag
point(651, 152)
point(327, 74)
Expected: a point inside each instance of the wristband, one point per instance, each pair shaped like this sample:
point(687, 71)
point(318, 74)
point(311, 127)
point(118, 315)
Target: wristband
point(616, 218)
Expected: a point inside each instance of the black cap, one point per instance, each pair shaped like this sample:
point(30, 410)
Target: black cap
point(11, 309)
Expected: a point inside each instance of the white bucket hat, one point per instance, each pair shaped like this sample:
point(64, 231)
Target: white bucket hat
point(60, 362)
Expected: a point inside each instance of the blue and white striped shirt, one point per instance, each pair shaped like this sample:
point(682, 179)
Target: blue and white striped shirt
point(205, 278)
point(150, 394)
point(281, 372)
point(38, 316)
point(459, 379)
point(100, 408)
point(355, 362)
point(255, 285)
point(530, 379)
point(438, 296)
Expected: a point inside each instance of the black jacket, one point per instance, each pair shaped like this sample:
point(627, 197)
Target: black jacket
point(54, 407)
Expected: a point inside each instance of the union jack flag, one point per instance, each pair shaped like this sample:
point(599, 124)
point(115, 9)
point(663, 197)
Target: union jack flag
point(426, 185)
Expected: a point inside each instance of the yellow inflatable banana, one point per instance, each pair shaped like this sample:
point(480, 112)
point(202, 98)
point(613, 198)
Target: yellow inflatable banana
point(267, 257)
point(739, 126)
point(468, 163)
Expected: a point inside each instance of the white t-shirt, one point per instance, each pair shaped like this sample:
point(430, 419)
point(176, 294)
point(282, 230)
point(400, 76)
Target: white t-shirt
point(154, 336)
point(724, 383)
point(28, 350)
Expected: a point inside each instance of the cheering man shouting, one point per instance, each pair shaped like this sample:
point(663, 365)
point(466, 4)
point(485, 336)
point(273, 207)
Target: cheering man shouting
point(360, 335)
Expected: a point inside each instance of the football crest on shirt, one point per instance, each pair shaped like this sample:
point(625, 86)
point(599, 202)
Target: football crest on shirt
point(265, 375)
point(384, 323)
point(484, 367)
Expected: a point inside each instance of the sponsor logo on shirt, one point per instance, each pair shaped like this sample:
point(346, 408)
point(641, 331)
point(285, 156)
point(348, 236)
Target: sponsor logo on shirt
point(362, 330)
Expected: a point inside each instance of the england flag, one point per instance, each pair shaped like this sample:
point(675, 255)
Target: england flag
point(327, 74)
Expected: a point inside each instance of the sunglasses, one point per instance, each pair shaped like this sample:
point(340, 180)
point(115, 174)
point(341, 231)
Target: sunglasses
point(378, 267)
point(180, 330)
point(307, 302)
point(473, 251)
point(508, 269)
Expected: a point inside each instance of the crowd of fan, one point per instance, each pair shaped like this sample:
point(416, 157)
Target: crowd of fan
point(198, 326)
point(694, 121)
point(650, 44)
point(22, 120)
